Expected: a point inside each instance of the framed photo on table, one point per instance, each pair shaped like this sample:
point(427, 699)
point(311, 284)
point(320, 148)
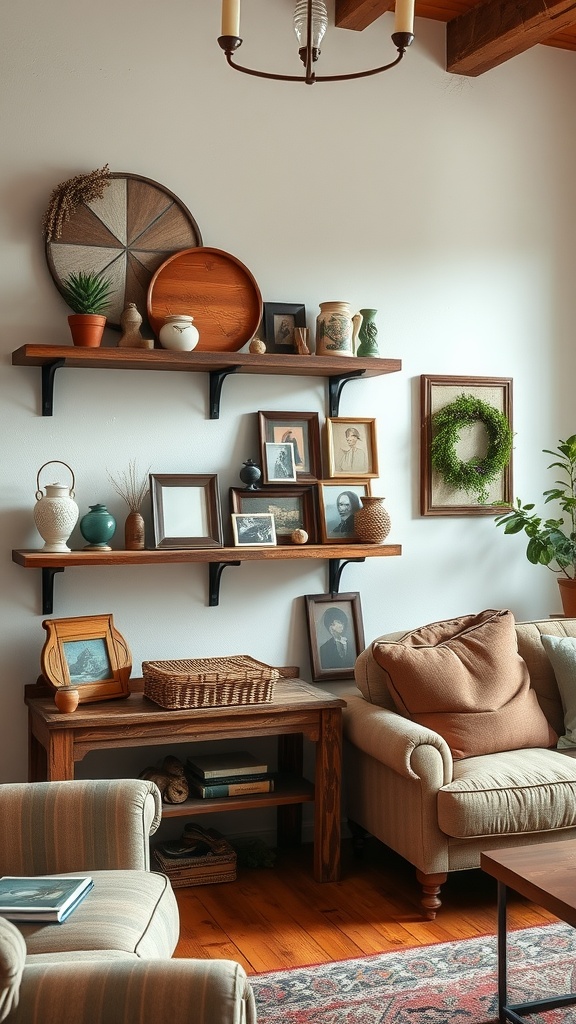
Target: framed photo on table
point(338, 504)
point(280, 319)
point(335, 633)
point(302, 431)
point(293, 508)
point(185, 511)
point(87, 652)
point(351, 447)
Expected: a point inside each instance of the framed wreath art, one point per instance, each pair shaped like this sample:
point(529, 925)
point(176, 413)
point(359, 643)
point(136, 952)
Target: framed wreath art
point(466, 445)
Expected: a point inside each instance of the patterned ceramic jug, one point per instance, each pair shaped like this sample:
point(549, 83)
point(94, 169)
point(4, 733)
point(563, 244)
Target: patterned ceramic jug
point(55, 513)
point(336, 329)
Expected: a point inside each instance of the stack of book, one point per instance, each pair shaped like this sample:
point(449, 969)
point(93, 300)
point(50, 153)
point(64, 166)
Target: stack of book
point(42, 897)
point(233, 774)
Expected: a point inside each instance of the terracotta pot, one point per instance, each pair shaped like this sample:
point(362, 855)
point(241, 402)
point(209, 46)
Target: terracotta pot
point(568, 597)
point(87, 329)
point(66, 699)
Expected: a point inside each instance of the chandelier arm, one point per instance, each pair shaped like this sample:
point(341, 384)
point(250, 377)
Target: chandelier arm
point(231, 43)
point(360, 74)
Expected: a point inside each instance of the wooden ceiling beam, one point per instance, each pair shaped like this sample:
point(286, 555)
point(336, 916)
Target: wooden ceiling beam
point(359, 14)
point(491, 33)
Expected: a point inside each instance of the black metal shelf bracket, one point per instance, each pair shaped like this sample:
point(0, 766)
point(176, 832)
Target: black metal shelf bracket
point(335, 567)
point(335, 386)
point(48, 575)
point(48, 374)
point(215, 570)
point(217, 378)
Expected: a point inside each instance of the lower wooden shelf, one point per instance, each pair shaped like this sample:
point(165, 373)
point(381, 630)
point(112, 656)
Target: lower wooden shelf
point(288, 790)
point(217, 559)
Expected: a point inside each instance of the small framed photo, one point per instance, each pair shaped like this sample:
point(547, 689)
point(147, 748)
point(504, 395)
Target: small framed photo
point(338, 505)
point(335, 633)
point(302, 431)
point(279, 323)
point(351, 447)
point(87, 652)
point(279, 462)
point(256, 530)
point(292, 508)
point(185, 511)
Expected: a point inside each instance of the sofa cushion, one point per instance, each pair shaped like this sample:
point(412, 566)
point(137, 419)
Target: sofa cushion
point(464, 679)
point(517, 792)
point(131, 913)
point(561, 651)
point(12, 960)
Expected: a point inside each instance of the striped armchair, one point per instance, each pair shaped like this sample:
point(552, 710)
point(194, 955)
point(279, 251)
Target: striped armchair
point(110, 962)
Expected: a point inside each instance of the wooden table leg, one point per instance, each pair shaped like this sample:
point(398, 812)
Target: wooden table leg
point(60, 756)
point(327, 799)
point(289, 816)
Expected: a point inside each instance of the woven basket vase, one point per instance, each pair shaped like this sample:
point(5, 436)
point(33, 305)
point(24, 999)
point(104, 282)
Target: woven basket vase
point(372, 522)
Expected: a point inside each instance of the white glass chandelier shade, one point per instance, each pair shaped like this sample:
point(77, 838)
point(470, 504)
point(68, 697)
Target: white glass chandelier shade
point(319, 24)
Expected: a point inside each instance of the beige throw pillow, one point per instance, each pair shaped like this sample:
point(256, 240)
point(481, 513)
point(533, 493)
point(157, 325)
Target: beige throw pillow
point(561, 651)
point(464, 679)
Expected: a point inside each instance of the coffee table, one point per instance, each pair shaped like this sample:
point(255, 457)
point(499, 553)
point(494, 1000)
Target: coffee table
point(544, 874)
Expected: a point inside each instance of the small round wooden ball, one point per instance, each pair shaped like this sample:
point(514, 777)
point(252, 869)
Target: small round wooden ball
point(257, 346)
point(299, 536)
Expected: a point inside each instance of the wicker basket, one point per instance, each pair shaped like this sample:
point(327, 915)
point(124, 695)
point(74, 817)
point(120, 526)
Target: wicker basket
point(208, 682)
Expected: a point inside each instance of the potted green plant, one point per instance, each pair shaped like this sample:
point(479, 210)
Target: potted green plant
point(88, 295)
point(552, 542)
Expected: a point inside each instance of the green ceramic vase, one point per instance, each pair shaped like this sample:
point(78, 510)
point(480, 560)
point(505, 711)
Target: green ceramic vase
point(368, 334)
point(98, 526)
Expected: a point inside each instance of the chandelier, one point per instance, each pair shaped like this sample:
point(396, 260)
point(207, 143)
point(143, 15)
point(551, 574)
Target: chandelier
point(310, 23)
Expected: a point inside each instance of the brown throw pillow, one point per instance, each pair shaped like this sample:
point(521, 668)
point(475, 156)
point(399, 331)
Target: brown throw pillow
point(464, 679)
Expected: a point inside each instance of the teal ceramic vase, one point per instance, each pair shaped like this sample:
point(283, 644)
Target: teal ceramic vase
point(368, 334)
point(98, 526)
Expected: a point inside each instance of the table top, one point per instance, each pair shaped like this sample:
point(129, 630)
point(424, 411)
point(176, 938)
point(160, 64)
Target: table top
point(289, 695)
point(544, 873)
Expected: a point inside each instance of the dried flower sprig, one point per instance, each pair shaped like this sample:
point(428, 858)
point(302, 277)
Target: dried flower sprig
point(68, 195)
point(132, 489)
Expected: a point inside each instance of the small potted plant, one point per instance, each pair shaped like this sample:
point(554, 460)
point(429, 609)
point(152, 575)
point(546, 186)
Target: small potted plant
point(88, 295)
point(552, 542)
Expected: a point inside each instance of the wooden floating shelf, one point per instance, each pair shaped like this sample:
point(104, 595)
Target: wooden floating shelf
point(337, 369)
point(338, 555)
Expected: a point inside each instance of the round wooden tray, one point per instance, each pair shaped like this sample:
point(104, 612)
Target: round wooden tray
point(127, 234)
point(213, 287)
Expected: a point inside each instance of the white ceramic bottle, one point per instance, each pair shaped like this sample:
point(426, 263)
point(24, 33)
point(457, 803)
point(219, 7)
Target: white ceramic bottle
point(179, 333)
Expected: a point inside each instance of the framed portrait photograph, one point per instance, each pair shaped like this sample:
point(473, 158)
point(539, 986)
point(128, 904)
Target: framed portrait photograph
point(280, 319)
point(338, 505)
point(278, 462)
point(302, 431)
point(293, 508)
point(351, 447)
point(185, 510)
point(256, 530)
point(335, 634)
point(465, 446)
point(87, 652)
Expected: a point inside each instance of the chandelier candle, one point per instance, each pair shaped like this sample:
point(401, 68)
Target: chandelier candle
point(231, 18)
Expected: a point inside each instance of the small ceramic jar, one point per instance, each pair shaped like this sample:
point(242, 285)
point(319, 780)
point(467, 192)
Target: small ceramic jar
point(178, 333)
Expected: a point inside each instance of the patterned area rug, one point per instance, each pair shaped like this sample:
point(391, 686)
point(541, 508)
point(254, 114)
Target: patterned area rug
point(452, 981)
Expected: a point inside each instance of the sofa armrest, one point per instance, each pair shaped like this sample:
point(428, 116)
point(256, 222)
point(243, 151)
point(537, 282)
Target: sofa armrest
point(51, 827)
point(147, 991)
point(406, 747)
point(12, 960)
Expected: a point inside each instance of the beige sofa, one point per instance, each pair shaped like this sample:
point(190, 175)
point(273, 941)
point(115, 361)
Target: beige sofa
point(110, 961)
point(403, 786)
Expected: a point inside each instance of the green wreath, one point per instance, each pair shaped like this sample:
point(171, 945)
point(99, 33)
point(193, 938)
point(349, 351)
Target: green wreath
point(475, 475)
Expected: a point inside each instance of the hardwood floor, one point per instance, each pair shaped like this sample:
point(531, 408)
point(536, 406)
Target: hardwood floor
point(274, 918)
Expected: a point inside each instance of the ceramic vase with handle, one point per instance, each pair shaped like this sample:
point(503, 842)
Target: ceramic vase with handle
point(336, 329)
point(55, 513)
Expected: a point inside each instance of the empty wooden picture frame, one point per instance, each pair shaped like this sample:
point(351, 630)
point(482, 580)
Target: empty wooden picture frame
point(437, 496)
point(351, 447)
point(185, 510)
point(87, 652)
point(335, 634)
point(293, 508)
point(302, 431)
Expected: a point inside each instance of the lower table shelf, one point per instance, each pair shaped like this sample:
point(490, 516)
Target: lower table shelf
point(288, 790)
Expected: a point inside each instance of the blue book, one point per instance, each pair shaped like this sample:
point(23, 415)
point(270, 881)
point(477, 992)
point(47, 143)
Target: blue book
point(42, 897)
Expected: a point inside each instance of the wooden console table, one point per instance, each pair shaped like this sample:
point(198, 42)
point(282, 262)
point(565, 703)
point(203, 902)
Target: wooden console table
point(57, 741)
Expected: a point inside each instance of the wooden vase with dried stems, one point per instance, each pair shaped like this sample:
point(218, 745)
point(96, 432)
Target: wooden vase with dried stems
point(133, 490)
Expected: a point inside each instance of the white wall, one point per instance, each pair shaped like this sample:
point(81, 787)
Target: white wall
point(445, 203)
